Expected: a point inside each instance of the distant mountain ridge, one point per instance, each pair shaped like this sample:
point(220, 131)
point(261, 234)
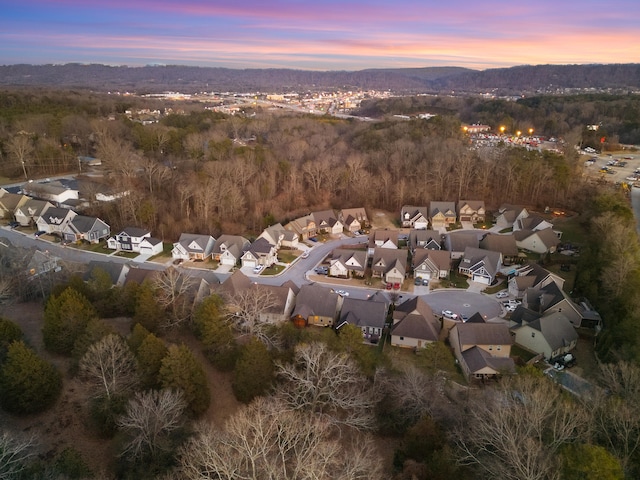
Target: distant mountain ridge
point(188, 79)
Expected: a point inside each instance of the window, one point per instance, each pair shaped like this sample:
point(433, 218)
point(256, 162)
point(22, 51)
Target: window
point(533, 334)
point(401, 338)
point(490, 347)
point(499, 347)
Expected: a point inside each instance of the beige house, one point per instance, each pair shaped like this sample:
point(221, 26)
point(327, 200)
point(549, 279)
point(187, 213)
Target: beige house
point(316, 305)
point(348, 263)
point(551, 335)
point(537, 241)
point(354, 219)
point(304, 227)
point(390, 265)
point(414, 325)
point(482, 349)
point(471, 211)
point(531, 275)
point(442, 214)
point(431, 264)
point(327, 222)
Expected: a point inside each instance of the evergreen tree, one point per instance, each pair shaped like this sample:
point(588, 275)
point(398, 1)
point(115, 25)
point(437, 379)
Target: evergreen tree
point(9, 333)
point(65, 319)
point(150, 355)
point(180, 370)
point(254, 372)
point(215, 333)
point(28, 384)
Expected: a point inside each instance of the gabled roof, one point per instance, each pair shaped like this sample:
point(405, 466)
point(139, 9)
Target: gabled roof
point(261, 246)
point(415, 305)
point(357, 257)
point(316, 300)
point(556, 329)
point(532, 274)
point(135, 232)
point(301, 225)
point(531, 222)
point(325, 218)
point(424, 236)
point(505, 244)
point(385, 259)
point(458, 241)
point(384, 236)
point(57, 216)
point(10, 201)
point(238, 281)
point(240, 244)
point(477, 359)
point(116, 271)
point(441, 259)
point(412, 212)
point(83, 223)
point(483, 334)
point(359, 214)
point(34, 208)
point(448, 209)
point(362, 313)
point(476, 256)
point(193, 242)
point(417, 326)
point(475, 205)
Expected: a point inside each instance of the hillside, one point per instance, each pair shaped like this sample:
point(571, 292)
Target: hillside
point(515, 80)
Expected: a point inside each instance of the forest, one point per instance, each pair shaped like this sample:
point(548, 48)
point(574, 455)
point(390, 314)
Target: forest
point(311, 404)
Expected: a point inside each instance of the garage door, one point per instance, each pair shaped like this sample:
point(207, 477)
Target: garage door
point(249, 263)
point(481, 279)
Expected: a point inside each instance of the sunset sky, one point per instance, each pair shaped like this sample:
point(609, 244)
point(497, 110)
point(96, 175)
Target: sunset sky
point(320, 34)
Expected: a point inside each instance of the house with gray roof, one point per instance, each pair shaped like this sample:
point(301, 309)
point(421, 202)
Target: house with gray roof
point(304, 227)
point(85, 228)
point(416, 217)
point(128, 239)
point(55, 220)
point(507, 215)
point(117, 272)
point(9, 202)
point(551, 298)
point(316, 305)
point(550, 334)
point(347, 263)
point(414, 324)
point(27, 213)
point(531, 275)
point(354, 219)
point(442, 214)
point(537, 241)
point(457, 242)
point(228, 249)
point(482, 349)
point(480, 265)
point(431, 264)
point(390, 265)
point(327, 221)
point(192, 246)
point(429, 239)
point(368, 315)
point(383, 238)
point(505, 244)
point(261, 252)
point(471, 211)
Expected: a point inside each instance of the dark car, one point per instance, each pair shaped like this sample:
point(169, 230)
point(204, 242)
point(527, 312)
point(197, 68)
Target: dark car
point(39, 232)
point(14, 224)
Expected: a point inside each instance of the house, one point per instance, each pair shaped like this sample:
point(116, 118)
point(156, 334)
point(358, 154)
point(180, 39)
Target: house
point(471, 211)
point(55, 220)
point(531, 275)
point(327, 222)
point(27, 213)
point(551, 298)
point(370, 316)
point(117, 272)
point(508, 215)
point(260, 252)
point(424, 239)
point(42, 262)
point(590, 317)
point(274, 235)
point(128, 239)
point(442, 214)
point(354, 219)
point(458, 241)
point(414, 217)
point(382, 238)
point(414, 324)
point(431, 264)
point(228, 249)
point(390, 265)
point(532, 222)
point(480, 265)
point(9, 202)
point(276, 302)
point(304, 227)
point(316, 305)
point(550, 334)
point(89, 229)
point(151, 246)
point(505, 244)
point(537, 241)
point(192, 246)
point(482, 349)
point(346, 263)
point(54, 192)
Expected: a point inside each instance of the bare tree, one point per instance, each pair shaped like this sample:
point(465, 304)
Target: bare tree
point(245, 312)
point(14, 454)
point(110, 366)
point(175, 293)
point(150, 419)
point(515, 432)
point(21, 146)
point(329, 384)
point(266, 440)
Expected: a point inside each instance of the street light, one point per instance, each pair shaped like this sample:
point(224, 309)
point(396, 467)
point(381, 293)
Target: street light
point(530, 131)
point(502, 130)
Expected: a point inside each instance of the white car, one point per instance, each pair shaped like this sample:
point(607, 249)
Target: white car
point(258, 268)
point(502, 294)
point(305, 254)
point(342, 293)
point(449, 314)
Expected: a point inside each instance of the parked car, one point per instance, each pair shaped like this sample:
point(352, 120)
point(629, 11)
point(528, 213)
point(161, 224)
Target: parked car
point(39, 232)
point(502, 294)
point(417, 281)
point(342, 293)
point(258, 268)
point(449, 314)
point(321, 270)
point(14, 224)
point(396, 286)
point(388, 286)
point(425, 282)
point(305, 254)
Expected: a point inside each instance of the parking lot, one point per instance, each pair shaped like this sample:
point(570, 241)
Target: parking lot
point(614, 167)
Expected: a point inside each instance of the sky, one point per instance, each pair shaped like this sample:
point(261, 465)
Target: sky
point(320, 34)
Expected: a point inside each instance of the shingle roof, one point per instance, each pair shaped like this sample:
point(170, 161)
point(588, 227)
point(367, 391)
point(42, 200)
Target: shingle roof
point(363, 312)
point(417, 326)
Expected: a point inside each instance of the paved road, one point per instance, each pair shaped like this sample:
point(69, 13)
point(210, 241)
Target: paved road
point(300, 272)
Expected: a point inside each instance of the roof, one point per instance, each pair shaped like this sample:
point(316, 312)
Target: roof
point(261, 245)
point(459, 240)
point(415, 305)
point(441, 259)
point(383, 235)
point(556, 328)
point(240, 244)
point(389, 259)
point(135, 232)
point(413, 212)
point(363, 313)
point(325, 217)
point(56, 215)
point(424, 236)
point(417, 326)
point(316, 300)
point(190, 240)
point(483, 334)
point(448, 209)
point(473, 204)
point(474, 256)
point(478, 359)
point(114, 270)
point(358, 213)
point(505, 244)
point(238, 281)
point(83, 223)
point(344, 255)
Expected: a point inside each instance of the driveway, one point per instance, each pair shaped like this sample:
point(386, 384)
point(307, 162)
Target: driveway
point(463, 302)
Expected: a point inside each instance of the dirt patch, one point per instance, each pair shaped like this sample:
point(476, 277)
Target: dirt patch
point(382, 219)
